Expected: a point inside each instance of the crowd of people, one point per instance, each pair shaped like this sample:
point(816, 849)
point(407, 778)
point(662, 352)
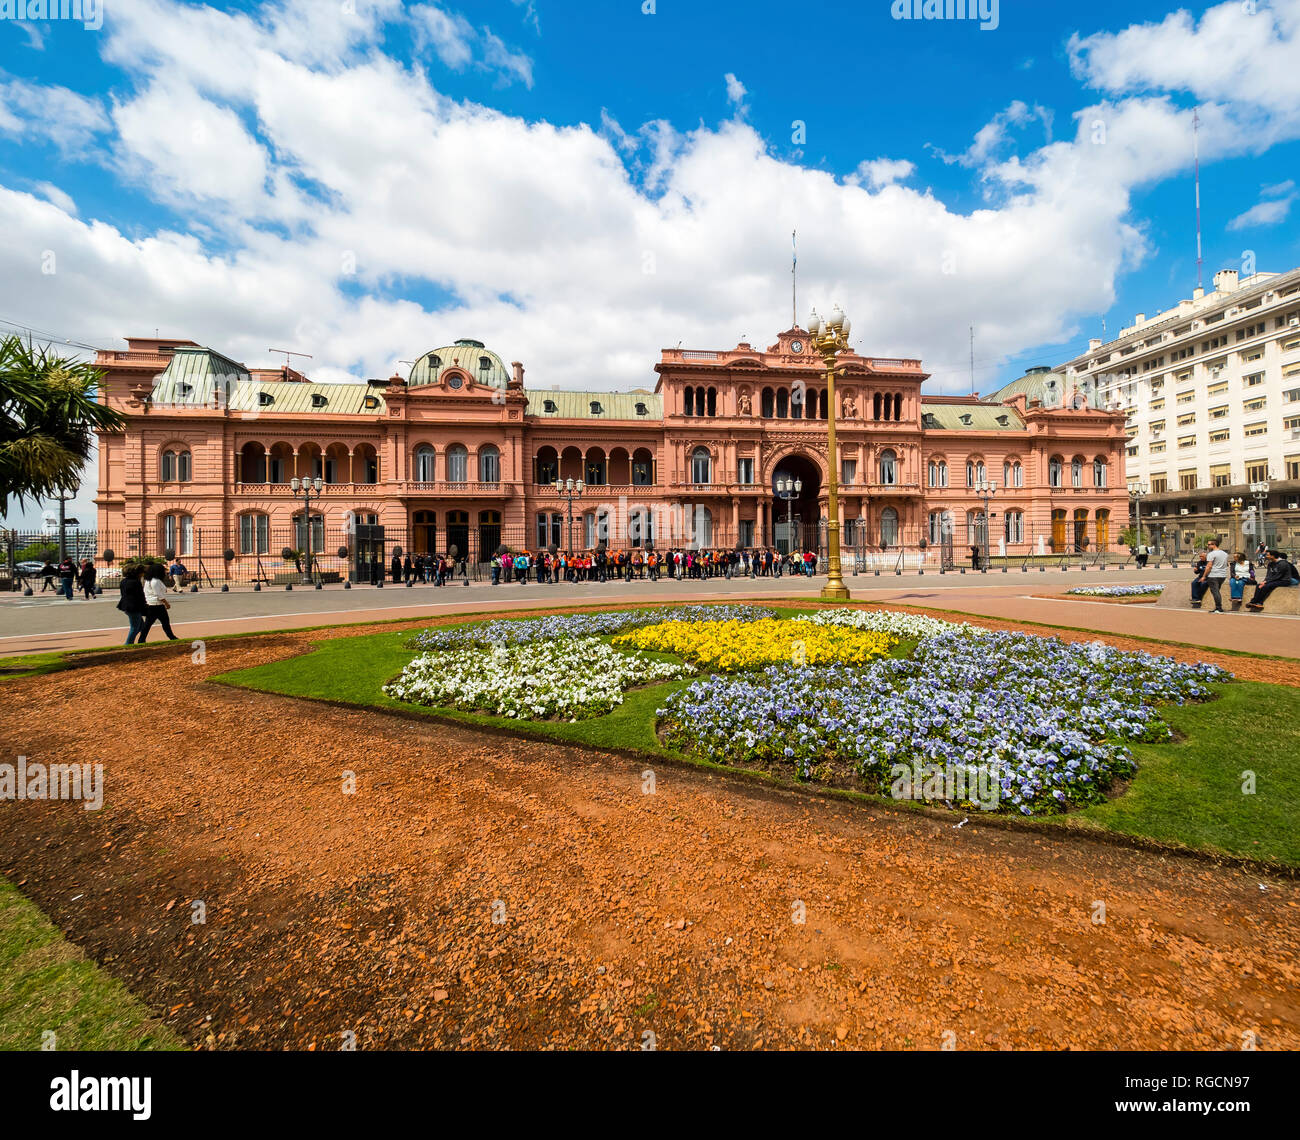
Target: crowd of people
point(143, 599)
point(1213, 568)
point(550, 566)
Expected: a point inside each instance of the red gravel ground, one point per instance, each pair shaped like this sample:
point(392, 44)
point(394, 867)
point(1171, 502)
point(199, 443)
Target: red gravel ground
point(620, 912)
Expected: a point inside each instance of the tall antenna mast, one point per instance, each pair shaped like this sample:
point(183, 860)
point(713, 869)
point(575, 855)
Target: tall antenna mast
point(794, 268)
point(1196, 161)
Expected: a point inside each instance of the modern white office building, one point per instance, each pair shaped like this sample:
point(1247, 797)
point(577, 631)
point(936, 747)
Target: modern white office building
point(1211, 390)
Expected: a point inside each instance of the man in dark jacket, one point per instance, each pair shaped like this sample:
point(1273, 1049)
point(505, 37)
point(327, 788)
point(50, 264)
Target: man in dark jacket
point(397, 568)
point(1281, 574)
point(132, 603)
point(67, 572)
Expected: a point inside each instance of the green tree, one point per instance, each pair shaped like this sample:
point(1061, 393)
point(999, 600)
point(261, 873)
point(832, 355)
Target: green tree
point(48, 418)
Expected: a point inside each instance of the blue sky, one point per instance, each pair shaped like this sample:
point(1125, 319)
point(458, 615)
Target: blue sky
point(580, 184)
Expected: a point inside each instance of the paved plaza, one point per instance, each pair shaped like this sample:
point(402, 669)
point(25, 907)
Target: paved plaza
point(45, 624)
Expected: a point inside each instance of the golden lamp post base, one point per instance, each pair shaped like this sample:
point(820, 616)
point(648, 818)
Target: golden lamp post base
point(833, 592)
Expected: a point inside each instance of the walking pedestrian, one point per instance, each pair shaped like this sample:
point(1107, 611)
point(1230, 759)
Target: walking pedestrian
point(86, 579)
point(48, 574)
point(156, 604)
point(67, 572)
point(132, 602)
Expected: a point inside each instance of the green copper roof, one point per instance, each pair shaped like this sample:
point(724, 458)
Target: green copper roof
point(1032, 385)
point(565, 405)
point(969, 417)
point(194, 376)
point(485, 366)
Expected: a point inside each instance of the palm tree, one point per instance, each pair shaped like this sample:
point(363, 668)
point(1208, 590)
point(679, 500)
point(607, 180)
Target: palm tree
point(48, 416)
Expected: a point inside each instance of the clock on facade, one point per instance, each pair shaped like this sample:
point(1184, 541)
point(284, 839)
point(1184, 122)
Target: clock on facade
point(796, 346)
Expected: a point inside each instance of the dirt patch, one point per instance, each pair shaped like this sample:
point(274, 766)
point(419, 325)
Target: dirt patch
point(480, 892)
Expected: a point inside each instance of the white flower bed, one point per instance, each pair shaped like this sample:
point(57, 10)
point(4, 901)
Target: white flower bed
point(567, 678)
point(1117, 591)
point(909, 627)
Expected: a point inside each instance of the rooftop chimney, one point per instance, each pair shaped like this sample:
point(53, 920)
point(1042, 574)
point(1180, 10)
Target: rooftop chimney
point(1225, 281)
point(1094, 344)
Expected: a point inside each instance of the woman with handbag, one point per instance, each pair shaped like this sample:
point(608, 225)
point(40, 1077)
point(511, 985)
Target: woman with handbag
point(156, 603)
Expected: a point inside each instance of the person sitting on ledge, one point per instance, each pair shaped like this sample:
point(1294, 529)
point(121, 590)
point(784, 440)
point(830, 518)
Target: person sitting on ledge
point(1281, 573)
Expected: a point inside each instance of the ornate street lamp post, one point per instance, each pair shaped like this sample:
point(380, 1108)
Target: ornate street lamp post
point(569, 489)
point(1135, 492)
point(986, 489)
point(1238, 539)
point(306, 487)
point(829, 339)
point(787, 490)
point(1260, 492)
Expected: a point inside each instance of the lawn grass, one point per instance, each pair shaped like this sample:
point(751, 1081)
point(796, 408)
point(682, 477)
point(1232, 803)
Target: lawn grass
point(47, 984)
point(1186, 793)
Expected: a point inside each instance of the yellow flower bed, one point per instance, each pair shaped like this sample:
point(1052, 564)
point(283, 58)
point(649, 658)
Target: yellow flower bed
point(728, 645)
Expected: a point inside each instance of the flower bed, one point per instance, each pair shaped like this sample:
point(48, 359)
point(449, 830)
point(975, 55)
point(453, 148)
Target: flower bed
point(905, 627)
point(1041, 719)
point(731, 645)
point(522, 631)
point(572, 678)
point(1117, 591)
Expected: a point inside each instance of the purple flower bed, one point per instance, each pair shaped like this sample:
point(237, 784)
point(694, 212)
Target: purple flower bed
point(1045, 719)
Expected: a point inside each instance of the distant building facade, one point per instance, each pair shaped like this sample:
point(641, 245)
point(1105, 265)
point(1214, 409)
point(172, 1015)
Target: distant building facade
point(460, 453)
point(1211, 394)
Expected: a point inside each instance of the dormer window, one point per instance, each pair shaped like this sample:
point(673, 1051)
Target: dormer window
point(965, 418)
point(549, 406)
point(485, 364)
point(641, 409)
point(265, 399)
point(1003, 420)
point(371, 401)
point(929, 420)
point(435, 361)
point(183, 390)
point(318, 401)
point(596, 409)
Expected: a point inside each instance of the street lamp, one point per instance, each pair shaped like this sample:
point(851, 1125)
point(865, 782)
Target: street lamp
point(1135, 492)
point(829, 338)
point(1235, 503)
point(306, 488)
point(569, 489)
point(1260, 492)
point(986, 489)
point(787, 490)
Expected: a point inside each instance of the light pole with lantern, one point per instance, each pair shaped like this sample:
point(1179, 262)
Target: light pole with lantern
point(1135, 492)
point(1238, 539)
point(787, 490)
point(306, 488)
point(829, 338)
point(569, 489)
point(986, 489)
point(1260, 492)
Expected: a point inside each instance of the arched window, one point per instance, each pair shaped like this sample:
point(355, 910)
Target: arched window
point(1103, 529)
point(767, 404)
point(1013, 528)
point(898, 405)
point(970, 472)
point(782, 404)
point(711, 402)
point(1076, 471)
point(546, 466)
point(254, 534)
point(940, 526)
point(1012, 474)
point(168, 465)
point(317, 532)
point(688, 399)
point(1099, 472)
point(875, 406)
point(642, 468)
point(425, 464)
point(701, 466)
point(889, 527)
point(888, 468)
point(457, 464)
point(178, 534)
point(489, 464)
point(1055, 468)
point(933, 474)
point(975, 528)
point(812, 413)
point(703, 527)
point(174, 466)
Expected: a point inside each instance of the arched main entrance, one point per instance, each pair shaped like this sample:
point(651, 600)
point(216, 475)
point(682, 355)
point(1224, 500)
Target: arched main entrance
point(795, 524)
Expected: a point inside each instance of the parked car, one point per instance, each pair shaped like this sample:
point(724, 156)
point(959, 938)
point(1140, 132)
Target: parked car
point(28, 566)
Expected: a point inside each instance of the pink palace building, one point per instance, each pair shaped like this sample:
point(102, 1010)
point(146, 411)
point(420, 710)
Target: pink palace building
point(460, 452)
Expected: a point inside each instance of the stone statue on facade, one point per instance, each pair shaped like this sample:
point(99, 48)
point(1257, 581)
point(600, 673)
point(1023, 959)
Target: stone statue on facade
point(850, 408)
point(746, 405)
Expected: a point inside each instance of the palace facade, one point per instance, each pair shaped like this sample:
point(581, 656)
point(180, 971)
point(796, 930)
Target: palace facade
point(461, 452)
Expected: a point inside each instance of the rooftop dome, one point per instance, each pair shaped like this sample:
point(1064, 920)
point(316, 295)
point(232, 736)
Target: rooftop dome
point(469, 356)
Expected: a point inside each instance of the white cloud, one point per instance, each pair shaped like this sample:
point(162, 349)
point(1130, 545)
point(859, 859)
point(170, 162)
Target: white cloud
point(878, 172)
point(68, 120)
point(735, 91)
point(508, 63)
point(57, 197)
point(458, 44)
point(1267, 213)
